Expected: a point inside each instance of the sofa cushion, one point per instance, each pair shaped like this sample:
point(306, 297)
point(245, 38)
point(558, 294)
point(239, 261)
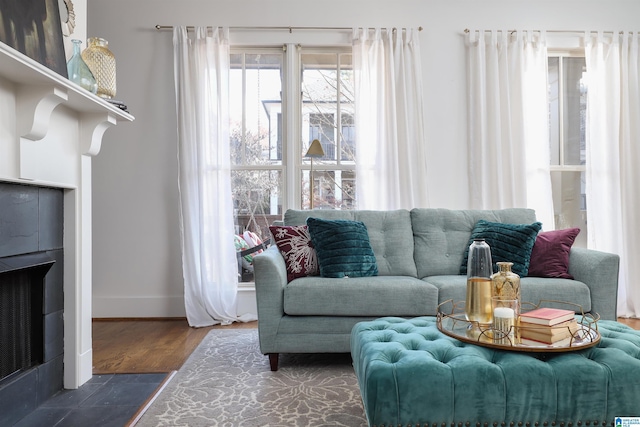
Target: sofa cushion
point(294, 243)
point(360, 296)
point(533, 289)
point(550, 254)
point(390, 235)
point(342, 247)
point(441, 236)
point(508, 242)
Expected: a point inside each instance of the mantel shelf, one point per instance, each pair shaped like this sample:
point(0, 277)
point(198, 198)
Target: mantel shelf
point(24, 71)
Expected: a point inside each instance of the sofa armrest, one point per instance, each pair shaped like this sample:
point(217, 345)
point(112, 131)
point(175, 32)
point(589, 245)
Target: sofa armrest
point(599, 271)
point(270, 275)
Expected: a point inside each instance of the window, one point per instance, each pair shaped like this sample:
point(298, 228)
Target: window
point(271, 130)
point(567, 107)
point(327, 113)
point(255, 134)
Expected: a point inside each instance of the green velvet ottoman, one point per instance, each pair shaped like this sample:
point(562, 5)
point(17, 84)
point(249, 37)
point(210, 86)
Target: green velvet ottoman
point(410, 374)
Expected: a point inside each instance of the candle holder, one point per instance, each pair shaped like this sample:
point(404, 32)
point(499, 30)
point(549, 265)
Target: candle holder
point(505, 319)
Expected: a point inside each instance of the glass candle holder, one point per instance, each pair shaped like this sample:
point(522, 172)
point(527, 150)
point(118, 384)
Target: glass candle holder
point(505, 317)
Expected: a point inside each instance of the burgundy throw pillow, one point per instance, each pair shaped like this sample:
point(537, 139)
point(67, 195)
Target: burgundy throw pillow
point(550, 254)
point(294, 243)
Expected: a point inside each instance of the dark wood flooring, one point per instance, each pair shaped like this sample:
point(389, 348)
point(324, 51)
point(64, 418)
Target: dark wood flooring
point(136, 346)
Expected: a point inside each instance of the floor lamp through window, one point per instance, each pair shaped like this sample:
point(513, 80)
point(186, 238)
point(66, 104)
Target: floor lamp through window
point(315, 150)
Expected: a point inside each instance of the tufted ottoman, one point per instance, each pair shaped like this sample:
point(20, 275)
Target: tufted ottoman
point(410, 374)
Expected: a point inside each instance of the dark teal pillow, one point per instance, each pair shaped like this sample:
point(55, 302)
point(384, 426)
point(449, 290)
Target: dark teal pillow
point(508, 243)
point(342, 247)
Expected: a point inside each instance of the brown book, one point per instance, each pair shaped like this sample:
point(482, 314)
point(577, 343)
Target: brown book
point(548, 334)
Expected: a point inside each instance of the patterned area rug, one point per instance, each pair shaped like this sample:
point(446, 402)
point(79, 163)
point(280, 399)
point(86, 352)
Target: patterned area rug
point(227, 382)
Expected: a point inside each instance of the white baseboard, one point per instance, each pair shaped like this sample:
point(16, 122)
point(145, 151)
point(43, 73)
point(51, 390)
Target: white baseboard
point(168, 306)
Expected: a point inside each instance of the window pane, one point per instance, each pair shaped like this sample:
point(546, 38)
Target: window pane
point(256, 108)
point(569, 202)
point(554, 110)
point(328, 116)
point(574, 111)
point(331, 189)
point(327, 100)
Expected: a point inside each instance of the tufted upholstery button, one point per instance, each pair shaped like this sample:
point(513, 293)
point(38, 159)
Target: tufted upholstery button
point(519, 423)
point(495, 424)
point(467, 423)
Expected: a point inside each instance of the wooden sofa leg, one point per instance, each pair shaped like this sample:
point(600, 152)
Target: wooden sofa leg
point(273, 361)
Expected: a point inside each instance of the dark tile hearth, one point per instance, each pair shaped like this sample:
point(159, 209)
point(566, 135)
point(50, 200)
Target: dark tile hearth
point(105, 401)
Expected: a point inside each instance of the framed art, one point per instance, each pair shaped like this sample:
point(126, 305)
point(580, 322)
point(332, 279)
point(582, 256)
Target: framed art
point(33, 27)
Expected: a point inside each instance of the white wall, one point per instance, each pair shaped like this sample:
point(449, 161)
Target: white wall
point(137, 267)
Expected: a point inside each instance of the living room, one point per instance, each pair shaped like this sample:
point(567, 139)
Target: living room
point(137, 268)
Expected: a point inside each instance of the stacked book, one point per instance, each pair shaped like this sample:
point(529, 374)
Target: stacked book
point(548, 325)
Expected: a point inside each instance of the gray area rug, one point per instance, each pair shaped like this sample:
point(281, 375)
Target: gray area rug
point(227, 382)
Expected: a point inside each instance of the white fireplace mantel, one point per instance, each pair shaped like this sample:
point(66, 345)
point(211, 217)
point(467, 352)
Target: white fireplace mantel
point(50, 128)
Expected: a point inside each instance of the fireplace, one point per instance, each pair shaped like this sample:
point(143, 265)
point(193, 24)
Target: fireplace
point(31, 298)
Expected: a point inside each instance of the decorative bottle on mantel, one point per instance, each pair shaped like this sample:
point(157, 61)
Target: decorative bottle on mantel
point(78, 71)
point(478, 306)
point(102, 64)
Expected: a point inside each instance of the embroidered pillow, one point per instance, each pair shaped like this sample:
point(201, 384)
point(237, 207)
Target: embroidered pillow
point(508, 243)
point(343, 248)
point(550, 254)
point(294, 243)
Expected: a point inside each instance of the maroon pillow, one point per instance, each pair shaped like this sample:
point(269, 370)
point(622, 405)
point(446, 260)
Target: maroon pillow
point(550, 254)
point(294, 243)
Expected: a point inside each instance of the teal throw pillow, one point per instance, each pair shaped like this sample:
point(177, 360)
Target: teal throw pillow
point(342, 247)
point(508, 243)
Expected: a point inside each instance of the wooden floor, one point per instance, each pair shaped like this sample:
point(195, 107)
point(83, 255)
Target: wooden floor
point(136, 346)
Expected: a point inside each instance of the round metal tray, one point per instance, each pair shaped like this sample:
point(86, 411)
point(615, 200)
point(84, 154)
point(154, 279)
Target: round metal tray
point(451, 321)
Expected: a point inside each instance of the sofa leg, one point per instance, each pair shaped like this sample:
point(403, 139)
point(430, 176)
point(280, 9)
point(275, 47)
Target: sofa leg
point(273, 361)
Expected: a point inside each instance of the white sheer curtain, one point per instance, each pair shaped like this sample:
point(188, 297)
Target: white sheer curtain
point(508, 122)
point(613, 154)
point(201, 69)
point(391, 161)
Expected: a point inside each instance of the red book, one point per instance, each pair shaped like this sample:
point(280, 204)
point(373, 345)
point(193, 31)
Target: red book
point(547, 316)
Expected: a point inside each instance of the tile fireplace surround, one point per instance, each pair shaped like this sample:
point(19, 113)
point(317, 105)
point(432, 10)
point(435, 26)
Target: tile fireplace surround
point(30, 247)
point(50, 129)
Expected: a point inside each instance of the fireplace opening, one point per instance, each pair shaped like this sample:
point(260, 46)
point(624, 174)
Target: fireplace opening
point(21, 312)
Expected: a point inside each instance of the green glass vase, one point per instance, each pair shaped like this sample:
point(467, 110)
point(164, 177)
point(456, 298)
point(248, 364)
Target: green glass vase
point(78, 71)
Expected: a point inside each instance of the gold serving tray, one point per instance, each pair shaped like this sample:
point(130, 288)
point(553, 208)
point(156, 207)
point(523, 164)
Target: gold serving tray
point(452, 322)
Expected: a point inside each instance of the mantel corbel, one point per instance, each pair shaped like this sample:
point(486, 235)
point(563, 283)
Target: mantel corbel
point(92, 128)
point(35, 105)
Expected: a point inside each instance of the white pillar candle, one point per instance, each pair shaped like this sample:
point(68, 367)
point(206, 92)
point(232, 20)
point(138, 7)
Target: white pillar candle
point(503, 322)
point(504, 312)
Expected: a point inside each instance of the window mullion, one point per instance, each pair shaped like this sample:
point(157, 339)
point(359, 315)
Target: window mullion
point(561, 103)
point(292, 154)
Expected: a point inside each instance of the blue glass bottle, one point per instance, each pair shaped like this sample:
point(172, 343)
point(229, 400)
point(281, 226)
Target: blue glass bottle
point(78, 71)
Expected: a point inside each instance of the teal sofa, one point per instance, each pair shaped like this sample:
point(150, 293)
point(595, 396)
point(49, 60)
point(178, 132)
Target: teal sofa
point(419, 254)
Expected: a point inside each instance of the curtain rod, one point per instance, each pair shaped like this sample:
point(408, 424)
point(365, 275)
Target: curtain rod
point(290, 29)
point(466, 30)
